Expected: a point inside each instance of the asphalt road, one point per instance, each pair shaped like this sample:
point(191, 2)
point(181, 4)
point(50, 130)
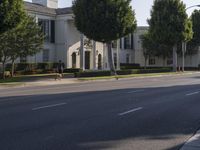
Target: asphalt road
point(158, 113)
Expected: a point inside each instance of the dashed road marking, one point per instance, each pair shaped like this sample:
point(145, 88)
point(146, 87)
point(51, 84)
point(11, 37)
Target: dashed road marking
point(136, 91)
point(130, 111)
point(48, 106)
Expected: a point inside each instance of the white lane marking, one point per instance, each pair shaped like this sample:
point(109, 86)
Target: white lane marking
point(48, 106)
point(135, 91)
point(130, 111)
point(189, 94)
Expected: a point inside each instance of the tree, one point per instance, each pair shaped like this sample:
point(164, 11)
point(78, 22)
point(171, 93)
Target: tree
point(148, 47)
point(24, 40)
point(11, 15)
point(104, 21)
point(193, 45)
point(169, 24)
point(152, 48)
point(27, 39)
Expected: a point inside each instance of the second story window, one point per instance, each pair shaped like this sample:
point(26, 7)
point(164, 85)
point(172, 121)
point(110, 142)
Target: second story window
point(114, 44)
point(45, 55)
point(152, 61)
point(127, 42)
point(127, 58)
point(45, 27)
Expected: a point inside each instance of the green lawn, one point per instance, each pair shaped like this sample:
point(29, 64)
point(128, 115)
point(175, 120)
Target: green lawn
point(24, 78)
point(130, 76)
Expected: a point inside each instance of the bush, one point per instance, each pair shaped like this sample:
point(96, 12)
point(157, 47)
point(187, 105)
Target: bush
point(127, 72)
point(72, 70)
point(192, 68)
point(26, 66)
point(7, 74)
point(92, 74)
point(45, 66)
point(142, 71)
point(129, 66)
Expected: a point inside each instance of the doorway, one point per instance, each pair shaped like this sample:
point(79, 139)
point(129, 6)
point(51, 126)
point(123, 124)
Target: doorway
point(87, 60)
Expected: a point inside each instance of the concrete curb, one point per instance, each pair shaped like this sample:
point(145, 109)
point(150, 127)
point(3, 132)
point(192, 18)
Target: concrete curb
point(75, 81)
point(193, 143)
point(153, 76)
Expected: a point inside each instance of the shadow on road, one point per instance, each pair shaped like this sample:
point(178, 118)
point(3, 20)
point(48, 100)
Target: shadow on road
point(90, 120)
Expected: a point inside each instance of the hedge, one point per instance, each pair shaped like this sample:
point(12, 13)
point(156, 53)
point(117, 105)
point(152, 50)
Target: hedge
point(92, 74)
point(72, 70)
point(32, 66)
point(120, 72)
point(7, 74)
point(129, 66)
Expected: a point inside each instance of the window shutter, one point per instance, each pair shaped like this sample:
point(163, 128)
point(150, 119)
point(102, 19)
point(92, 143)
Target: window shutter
point(52, 31)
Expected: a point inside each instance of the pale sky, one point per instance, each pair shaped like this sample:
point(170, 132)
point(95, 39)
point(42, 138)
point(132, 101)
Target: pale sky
point(142, 8)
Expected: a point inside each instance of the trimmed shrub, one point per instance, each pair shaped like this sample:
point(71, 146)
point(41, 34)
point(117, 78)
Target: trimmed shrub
point(92, 74)
point(127, 72)
point(26, 66)
point(7, 74)
point(142, 71)
point(192, 68)
point(129, 66)
point(72, 70)
point(45, 66)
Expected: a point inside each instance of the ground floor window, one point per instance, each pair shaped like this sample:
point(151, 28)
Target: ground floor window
point(152, 61)
point(169, 61)
point(115, 58)
point(23, 59)
point(45, 55)
point(99, 62)
point(74, 60)
point(127, 58)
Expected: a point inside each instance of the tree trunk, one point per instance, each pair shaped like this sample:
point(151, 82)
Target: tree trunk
point(145, 63)
point(110, 59)
point(164, 59)
point(3, 69)
point(175, 58)
point(13, 68)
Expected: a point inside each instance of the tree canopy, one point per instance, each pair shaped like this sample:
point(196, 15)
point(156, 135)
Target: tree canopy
point(11, 14)
point(104, 21)
point(193, 45)
point(169, 24)
point(24, 40)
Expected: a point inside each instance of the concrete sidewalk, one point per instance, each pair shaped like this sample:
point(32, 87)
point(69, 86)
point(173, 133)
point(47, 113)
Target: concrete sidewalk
point(42, 82)
point(193, 143)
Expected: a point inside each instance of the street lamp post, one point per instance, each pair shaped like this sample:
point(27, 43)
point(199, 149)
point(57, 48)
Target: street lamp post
point(184, 43)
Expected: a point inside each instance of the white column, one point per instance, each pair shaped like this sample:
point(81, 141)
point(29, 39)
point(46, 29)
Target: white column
point(94, 55)
point(105, 58)
point(82, 53)
point(183, 55)
point(175, 58)
point(118, 54)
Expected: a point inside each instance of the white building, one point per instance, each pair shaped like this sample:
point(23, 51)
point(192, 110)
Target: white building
point(64, 42)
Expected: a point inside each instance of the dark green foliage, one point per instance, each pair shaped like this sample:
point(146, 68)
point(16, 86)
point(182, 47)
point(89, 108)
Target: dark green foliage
point(11, 14)
point(128, 71)
point(92, 74)
point(124, 66)
point(192, 46)
point(121, 72)
point(24, 40)
point(104, 20)
point(72, 70)
point(169, 24)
